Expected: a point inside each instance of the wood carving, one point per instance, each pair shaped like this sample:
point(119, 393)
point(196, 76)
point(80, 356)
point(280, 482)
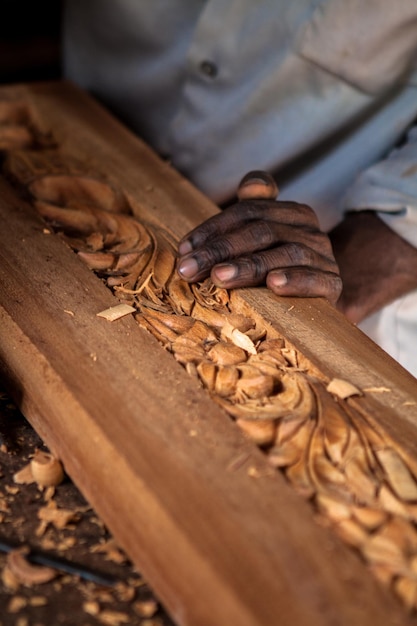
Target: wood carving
point(362, 484)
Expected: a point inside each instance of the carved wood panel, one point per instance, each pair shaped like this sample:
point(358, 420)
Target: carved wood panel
point(359, 481)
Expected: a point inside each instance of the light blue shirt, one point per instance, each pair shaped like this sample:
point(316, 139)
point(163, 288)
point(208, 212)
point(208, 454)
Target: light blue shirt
point(313, 91)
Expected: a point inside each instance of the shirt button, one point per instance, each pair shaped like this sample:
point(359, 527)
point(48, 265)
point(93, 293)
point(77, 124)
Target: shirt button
point(209, 68)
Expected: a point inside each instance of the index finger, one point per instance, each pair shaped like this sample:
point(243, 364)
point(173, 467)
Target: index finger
point(256, 185)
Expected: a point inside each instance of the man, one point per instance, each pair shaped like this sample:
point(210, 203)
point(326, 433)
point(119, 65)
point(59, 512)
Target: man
point(322, 94)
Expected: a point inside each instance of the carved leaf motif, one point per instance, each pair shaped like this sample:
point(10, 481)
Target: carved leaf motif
point(364, 488)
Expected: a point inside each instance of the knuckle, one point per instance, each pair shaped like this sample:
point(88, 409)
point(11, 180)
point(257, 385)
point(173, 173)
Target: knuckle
point(308, 212)
point(297, 254)
point(262, 233)
point(302, 213)
point(219, 250)
point(253, 268)
point(255, 209)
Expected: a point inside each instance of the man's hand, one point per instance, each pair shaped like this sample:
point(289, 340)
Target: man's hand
point(376, 265)
point(260, 240)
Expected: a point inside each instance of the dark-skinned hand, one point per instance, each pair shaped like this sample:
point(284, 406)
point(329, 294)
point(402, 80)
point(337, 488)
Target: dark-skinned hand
point(260, 240)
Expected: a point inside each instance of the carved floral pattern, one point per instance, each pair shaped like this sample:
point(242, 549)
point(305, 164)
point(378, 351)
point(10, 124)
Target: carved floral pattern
point(361, 484)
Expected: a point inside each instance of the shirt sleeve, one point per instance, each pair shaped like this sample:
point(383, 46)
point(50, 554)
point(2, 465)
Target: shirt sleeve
point(390, 188)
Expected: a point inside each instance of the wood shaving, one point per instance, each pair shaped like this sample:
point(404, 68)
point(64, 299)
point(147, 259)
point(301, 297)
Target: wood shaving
point(145, 608)
point(111, 550)
point(49, 493)
point(48, 543)
point(27, 573)
point(66, 544)
point(125, 593)
point(59, 518)
point(238, 338)
point(46, 469)
point(116, 312)
point(8, 579)
point(16, 604)
point(113, 618)
point(12, 490)
point(36, 601)
point(4, 507)
point(24, 476)
point(91, 607)
point(342, 388)
point(102, 595)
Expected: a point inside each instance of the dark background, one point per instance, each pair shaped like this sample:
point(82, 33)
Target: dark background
point(30, 34)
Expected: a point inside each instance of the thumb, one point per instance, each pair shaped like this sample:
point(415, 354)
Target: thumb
point(257, 185)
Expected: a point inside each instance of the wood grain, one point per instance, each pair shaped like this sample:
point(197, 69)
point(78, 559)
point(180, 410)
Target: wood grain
point(161, 463)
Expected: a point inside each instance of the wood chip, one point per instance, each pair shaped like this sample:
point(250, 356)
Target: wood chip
point(46, 469)
point(4, 507)
point(49, 493)
point(111, 550)
point(38, 601)
point(27, 573)
point(24, 476)
point(91, 607)
point(113, 618)
point(238, 338)
point(125, 593)
point(9, 580)
point(12, 490)
point(116, 312)
point(16, 604)
point(60, 518)
point(66, 544)
point(342, 388)
point(146, 608)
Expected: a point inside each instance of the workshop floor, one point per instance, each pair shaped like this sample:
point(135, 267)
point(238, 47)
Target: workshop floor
point(75, 534)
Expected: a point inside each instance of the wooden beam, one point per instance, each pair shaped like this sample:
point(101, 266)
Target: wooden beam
point(220, 535)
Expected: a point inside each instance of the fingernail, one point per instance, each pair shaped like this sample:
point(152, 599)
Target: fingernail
point(257, 177)
point(188, 267)
point(185, 247)
point(225, 272)
point(277, 279)
point(257, 185)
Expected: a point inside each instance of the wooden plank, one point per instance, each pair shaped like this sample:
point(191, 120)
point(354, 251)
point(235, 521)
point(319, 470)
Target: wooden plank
point(221, 537)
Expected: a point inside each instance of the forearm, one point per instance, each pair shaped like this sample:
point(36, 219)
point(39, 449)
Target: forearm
point(376, 265)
